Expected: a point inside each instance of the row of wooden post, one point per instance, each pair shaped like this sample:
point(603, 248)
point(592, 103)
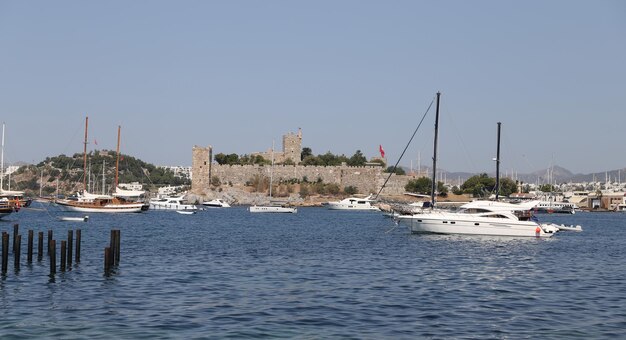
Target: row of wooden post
point(66, 249)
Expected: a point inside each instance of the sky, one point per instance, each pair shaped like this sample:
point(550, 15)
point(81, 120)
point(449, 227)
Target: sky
point(353, 75)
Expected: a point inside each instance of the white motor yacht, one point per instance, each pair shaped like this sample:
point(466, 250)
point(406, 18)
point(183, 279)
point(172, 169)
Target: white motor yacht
point(216, 203)
point(171, 203)
point(353, 203)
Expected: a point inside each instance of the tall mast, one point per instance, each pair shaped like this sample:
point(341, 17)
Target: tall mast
point(2, 161)
point(85, 156)
point(498, 164)
point(117, 161)
point(434, 184)
point(272, 170)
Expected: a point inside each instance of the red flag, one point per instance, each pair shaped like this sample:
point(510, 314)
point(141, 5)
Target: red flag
point(95, 142)
point(382, 152)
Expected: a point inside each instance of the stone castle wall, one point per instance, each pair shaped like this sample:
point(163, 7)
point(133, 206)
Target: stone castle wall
point(366, 179)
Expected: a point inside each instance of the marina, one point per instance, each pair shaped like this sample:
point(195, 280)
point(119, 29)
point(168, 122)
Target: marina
point(321, 274)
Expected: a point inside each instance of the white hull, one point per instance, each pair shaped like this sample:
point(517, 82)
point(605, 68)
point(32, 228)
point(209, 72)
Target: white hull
point(451, 223)
point(340, 206)
point(109, 208)
point(186, 212)
point(172, 206)
point(217, 203)
point(353, 203)
point(269, 209)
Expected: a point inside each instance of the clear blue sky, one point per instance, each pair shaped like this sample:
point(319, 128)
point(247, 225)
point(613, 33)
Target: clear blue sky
point(351, 74)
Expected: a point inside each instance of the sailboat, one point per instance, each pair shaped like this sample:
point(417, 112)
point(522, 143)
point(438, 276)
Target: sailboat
point(9, 200)
point(475, 218)
point(89, 202)
point(272, 208)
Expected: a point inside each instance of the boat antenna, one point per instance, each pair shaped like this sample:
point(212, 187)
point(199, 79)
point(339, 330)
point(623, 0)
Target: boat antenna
point(498, 164)
point(405, 148)
point(434, 184)
point(85, 156)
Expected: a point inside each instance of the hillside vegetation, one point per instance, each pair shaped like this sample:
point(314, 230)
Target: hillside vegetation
point(67, 172)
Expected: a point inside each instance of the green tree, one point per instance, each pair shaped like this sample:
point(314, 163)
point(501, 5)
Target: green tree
point(397, 171)
point(420, 185)
point(357, 159)
point(479, 185)
point(306, 152)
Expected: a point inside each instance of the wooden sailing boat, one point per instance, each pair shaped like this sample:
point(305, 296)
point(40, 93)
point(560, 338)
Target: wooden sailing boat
point(276, 208)
point(89, 202)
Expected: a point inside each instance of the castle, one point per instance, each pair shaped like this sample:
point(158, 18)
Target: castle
point(367, 179)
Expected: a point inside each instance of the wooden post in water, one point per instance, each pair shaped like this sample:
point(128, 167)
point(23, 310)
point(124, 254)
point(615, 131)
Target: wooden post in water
point(63, 255)
point(40, 246)
point(16, 228)
point(17, 252)
point(70, 244)
point(5, 252)
point(29, 257)
point(117, 247)
point(49, 240)
point(52, 249)
point(77, 245)
point(107, 260)
point(112, 244)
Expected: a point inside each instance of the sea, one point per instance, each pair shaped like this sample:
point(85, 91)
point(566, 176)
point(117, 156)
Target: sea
point(318, 274)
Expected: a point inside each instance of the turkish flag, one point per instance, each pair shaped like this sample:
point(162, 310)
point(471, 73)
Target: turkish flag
point(382, 152)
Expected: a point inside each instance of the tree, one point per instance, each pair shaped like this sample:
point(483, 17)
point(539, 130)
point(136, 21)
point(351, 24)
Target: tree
point(479, 185)
point(420, 185)
point(306, 152)
point(397, 171)
point(357, 159)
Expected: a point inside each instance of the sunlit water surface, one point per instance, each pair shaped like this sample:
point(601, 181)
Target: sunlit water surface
point(227, 273)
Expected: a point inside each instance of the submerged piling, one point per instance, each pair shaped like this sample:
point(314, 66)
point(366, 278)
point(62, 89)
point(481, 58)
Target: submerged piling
point(49, 240)
point(5, 252)
point(40, 246)
point(52, 248)
point(63, 255)
point(29, 257)
point(16, 228)
point(70, 243)
point(78, 245)
point(16, 254)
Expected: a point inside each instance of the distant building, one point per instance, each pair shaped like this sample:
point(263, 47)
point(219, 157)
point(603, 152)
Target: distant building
point(136, 186)
point(179, 171)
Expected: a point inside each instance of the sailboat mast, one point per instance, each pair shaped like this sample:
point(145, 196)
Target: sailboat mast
point(272, 170)
point(85, 156)
point(2, 161)
point(498, 164)
point(434, 184)
point(117, 161)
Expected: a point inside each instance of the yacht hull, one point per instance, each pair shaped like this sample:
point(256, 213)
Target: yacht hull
point(455, 224)
point(262, 209)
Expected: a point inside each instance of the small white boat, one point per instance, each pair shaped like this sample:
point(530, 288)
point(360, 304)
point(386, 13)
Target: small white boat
point(75, 219)
point(273, 209)
point(353, 203)
point(186, 212)
point(171, 203)
point(216, 203)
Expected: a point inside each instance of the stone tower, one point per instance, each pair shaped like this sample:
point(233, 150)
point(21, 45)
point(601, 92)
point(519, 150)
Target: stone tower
point(292, 146)
point(201, 168)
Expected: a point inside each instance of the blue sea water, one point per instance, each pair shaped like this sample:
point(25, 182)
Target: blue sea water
point(227, 273)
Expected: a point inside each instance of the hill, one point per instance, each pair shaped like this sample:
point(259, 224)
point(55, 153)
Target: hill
point(65, 174)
